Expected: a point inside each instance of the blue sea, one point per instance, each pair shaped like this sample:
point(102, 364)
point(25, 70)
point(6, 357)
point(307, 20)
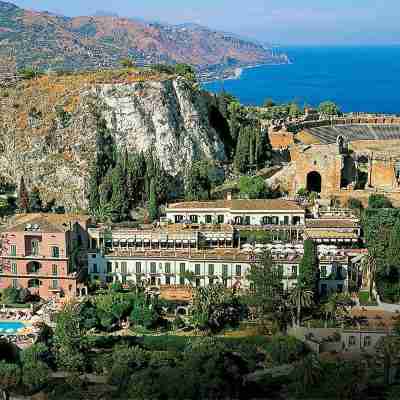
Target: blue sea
point(358, 79)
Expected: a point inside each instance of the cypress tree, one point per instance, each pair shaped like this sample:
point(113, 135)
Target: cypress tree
point(23, 198)
point(35, 202)
point(94, 196)
point(153, 206)
point(119, 202)
point(241, 160)
point(308, 268)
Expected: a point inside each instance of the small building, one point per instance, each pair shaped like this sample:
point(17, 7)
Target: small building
point(44, 253)
point(238, 212)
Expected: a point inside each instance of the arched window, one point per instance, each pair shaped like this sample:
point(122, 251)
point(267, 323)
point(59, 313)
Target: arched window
point(33, 283)
point(33, 267)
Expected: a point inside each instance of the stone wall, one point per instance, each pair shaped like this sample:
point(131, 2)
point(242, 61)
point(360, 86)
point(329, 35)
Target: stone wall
point(323, 159)
point(280, 140)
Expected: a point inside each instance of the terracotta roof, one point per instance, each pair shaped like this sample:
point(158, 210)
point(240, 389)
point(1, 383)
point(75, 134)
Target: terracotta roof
point(47, 222)
point(332, 223)
point(240, 205)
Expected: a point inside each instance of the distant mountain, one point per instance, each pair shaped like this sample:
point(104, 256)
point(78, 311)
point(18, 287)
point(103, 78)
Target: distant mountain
point(48, 40)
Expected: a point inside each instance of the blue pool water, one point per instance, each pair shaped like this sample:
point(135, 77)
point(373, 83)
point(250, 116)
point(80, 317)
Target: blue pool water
point(10, 327)
point(356, 78)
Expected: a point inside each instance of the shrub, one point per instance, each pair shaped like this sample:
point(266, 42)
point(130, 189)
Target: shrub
point(379, 201)
point(285, 349)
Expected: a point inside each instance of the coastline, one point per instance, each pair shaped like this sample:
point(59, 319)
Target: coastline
point(238, 72)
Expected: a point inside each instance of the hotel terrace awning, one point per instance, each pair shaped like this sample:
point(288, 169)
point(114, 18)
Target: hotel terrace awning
point(327, 236)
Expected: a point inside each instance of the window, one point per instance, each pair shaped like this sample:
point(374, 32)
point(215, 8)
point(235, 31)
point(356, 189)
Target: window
point(93, 255)
point(14, 268)
point(55, 252)
point(280, 270)
point(124, 268)
point(14, 283)
point(208, 219)
point(109, 267)
point(238, 270)
point(54, 269)
point(181, 280)
point(153, 268)
point(286, 220)
point(182, 268)
point(294, 270)
point(247, 220)
point(178, 219)
point(323, 271)
point(225, 270)
point(210, 269)
point(194, 219)
point(352, 340)
point(33, 283)
point(225, 282)
point(35, 247)
point(367, 341)
point(168, 268)
point(95, 269)
point(116, 266)
point(198, 282)
point(54, 284)
point(197, 269)
point(167, 280)
point(221, 219)
point(13, 250)
point(211, 281)
point(138, 267)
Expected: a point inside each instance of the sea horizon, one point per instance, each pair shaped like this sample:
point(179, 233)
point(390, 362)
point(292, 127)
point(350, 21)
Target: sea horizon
point(345, 74)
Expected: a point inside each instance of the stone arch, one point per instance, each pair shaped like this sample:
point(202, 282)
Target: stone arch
point(341, 143)
point(314, 182)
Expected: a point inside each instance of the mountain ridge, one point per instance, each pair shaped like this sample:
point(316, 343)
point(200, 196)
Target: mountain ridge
point(47, 40)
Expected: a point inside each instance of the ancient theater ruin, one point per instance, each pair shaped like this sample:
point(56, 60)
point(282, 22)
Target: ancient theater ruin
point(344, 158)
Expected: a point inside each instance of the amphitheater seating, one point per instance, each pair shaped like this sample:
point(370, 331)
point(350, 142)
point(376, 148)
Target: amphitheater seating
point(329, 134)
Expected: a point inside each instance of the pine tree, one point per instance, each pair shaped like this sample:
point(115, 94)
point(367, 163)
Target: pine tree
point(35, 202)
point(23, 198)
point(308, 267)
point(153, 205)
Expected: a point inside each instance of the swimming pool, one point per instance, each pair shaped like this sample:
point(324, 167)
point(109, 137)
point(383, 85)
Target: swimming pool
point(10, 327)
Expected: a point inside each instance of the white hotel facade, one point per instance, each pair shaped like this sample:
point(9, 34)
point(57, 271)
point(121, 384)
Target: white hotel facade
point(201, 241)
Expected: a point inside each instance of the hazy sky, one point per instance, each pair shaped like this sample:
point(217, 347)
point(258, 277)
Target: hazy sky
point(277, 21)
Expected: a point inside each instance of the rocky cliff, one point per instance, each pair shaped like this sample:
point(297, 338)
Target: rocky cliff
point(48, 128)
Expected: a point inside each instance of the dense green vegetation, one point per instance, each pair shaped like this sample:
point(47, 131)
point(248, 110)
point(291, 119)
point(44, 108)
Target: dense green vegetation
point(382, 235)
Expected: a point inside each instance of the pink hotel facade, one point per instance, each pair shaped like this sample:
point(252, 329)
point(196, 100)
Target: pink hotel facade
point(38, 253)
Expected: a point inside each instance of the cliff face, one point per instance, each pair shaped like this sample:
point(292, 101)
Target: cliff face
point(48, 129)
point(166, 115)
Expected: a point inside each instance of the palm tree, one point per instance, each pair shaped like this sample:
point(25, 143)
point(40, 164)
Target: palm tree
point(389, 350)
point(369, 266)
point(301, 297)
point(334, 307)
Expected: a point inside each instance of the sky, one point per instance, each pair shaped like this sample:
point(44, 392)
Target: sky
point(281, 22)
